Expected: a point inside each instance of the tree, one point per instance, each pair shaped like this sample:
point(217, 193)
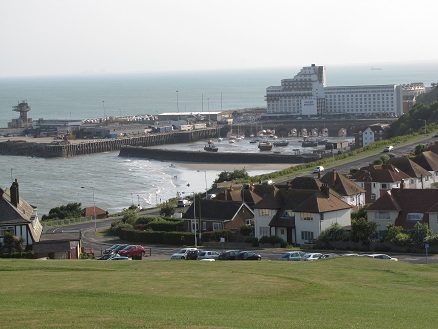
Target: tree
point(226, 176)
point(167, 210)
point(129, 217)
point(334, 232)
point(363, 230)
point(419, 234)
point(71, 210)
point(13, 243)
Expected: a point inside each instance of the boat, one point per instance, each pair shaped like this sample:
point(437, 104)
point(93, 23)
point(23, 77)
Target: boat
point(220, 139)
point(210, 147)
point(309, 142)
point(322, 141)
point(265, 146)
point(281, 143)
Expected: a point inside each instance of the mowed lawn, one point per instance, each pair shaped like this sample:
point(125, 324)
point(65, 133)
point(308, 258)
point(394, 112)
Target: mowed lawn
point(349, 292)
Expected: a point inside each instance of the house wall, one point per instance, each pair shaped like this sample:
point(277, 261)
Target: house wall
point(281, 232)
point(262, 218)
point(433, 222)
point(382, 223)
point(356, 200)
point(320, 222)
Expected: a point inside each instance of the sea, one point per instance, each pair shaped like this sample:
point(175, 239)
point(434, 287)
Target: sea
point(114, 183)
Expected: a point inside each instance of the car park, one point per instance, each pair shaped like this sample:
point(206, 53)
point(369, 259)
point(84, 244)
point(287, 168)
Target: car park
point(208, 254)
point(228, 255)
point(382, 256)
point(313, 256)
point(248, 255)
point(388, 148)
point(293, 256)
point(182, 253)
point(318, 169)
point(133, 250)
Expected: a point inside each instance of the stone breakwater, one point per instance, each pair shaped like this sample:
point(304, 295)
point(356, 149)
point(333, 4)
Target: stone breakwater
point(33, 148)
point(214, 157)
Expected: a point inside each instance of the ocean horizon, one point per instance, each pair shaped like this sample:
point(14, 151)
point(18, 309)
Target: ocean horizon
point(95, 96)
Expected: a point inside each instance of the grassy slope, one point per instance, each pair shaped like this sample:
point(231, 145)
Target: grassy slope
point(350, 292)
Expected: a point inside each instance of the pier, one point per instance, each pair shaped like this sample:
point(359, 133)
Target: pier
point(32, 147)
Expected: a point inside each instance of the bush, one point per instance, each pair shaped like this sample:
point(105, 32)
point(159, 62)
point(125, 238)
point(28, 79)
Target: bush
point(333, 233)
point(273, 240)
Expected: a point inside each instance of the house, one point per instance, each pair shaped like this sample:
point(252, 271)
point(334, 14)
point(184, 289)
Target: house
point(405, 207)
point(377, 179)
point(62, 245)
point(245, 194)
point(371, 134)
point(429, 161)
point(300, 215)
point(419, 177)
point(95, 212)
point(217, 215)
point(18, 217)
point(346, 189)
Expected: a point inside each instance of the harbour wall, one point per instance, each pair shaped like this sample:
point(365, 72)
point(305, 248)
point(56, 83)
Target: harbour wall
point(63, 149)
point(214, 157)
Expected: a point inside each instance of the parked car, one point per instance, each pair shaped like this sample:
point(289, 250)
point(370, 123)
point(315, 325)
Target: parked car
point(436, 135)
point(115, 250)
point(248, 255)
point(182, 253)
point(183, 203)
point(389, 148)
point(110, 249)
point(106, 257)
point(118, 257)
point(208, 254)
point(192, 254)
point(313, 256)
point(229, 255)
point(133, 250)
point(318, 169)
point(293, 256)
point(382, 256)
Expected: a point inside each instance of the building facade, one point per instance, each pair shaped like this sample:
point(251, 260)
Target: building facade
point(307, 94)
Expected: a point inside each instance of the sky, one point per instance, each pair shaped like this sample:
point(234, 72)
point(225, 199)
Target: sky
point(74, 37)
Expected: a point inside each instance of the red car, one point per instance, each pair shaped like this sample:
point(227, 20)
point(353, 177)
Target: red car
point(132, 250)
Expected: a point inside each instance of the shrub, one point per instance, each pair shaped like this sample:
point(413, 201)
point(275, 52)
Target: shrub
point(273, 240)
point(333, 233)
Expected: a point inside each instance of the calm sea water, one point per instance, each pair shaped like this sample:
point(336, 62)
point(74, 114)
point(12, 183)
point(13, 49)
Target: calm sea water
point(117, 182)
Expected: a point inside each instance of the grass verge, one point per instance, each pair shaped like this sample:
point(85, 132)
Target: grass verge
point(350, 292)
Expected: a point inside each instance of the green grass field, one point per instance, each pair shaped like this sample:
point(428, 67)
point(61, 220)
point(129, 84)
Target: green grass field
point(349, 292)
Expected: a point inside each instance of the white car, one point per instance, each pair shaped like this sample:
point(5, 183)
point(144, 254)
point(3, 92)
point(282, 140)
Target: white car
point(208, 255)
point(318, 169)
point(181, 254)
point(313, 256)
point(183, 203)
point(382, 256)
point(389, 148)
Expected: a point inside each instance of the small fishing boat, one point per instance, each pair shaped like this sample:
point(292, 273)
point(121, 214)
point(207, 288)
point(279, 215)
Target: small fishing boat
point(281, 143)
point(265, 146)
point(210, 147)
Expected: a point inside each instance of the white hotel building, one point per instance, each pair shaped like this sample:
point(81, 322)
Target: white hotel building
point(306, 94)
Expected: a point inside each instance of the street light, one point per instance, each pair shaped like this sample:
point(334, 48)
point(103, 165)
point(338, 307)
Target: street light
point(94, 209)
point(425, 132)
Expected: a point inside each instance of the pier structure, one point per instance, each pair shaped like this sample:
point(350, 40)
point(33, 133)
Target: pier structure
point(63, 149)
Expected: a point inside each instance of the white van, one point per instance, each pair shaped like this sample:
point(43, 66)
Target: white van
point(183, 203)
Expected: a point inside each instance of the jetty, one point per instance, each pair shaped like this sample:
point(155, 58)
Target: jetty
point(43, 148)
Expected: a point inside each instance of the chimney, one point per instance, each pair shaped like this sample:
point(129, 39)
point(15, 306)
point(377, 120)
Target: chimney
point(326, 190)
point(402, 184)
point(319, 174)
point(15, 195)
point(334, 176)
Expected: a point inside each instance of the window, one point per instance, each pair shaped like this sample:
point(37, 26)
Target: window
point(306, 235)
point(264, 231)
point(382, 215)
point(264, 212)
point(217, 226)
point(306, 216)
point(415, 216)
point(6, 229)
point(384, 186)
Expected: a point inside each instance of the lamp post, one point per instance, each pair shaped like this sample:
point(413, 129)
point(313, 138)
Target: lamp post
point(94, 209)
point(425, 132)
point(194, 216)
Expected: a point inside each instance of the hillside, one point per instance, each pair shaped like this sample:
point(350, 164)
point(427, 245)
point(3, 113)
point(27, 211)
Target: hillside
point(429, 97)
